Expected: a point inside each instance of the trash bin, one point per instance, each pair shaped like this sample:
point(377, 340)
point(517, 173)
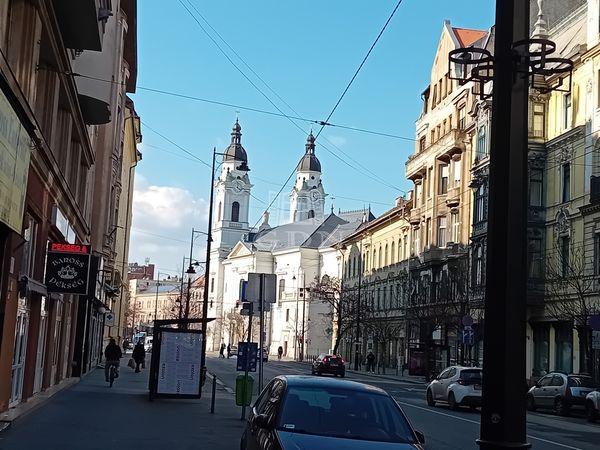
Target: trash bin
point(243, 390)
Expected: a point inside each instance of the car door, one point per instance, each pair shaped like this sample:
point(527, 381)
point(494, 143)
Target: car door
point(256, 409)
point(541, 392)
point(451, 377)
point(437, 384)
point(557, 388)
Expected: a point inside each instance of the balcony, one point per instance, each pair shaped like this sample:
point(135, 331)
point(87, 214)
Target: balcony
point(80, 22)
point(415, 216)
point(452, 142)
point(453, 197)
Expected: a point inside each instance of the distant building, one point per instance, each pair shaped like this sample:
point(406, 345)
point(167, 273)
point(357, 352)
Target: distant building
point(137, 272)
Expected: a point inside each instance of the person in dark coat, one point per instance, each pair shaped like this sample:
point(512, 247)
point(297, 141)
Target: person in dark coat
point(371, 362)
point(125, 345)
point(228, 350)
point(113, 354)
point(139, 355)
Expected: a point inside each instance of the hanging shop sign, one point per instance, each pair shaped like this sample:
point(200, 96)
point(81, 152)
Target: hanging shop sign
point(15, 152)
point(68, 268)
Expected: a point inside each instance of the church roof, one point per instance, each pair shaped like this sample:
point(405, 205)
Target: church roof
point(310, 233)
point(309, 161)
point(235, 151)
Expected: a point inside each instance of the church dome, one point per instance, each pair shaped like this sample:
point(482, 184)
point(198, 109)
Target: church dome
point(309, 161)
point(235, 151)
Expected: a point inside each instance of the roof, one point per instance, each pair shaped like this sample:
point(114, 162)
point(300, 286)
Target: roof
point(467, 37)
point(357, 215)
point(340, 233)
point(310, 233)
point(198, 282)
point(235, 151)
point(309, 161)
point(306, 380)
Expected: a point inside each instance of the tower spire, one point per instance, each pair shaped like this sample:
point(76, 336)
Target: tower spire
point(540, 30)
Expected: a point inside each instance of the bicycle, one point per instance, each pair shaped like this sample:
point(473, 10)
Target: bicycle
point(113, 372)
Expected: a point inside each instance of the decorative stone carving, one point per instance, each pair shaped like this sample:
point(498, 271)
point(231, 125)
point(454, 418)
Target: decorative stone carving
point(562, 226)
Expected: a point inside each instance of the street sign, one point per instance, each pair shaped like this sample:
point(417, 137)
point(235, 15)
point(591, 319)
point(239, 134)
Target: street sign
point(269, 287)
point(109, 319)
point(243, 357)
point(596, 340)
point(468, 336)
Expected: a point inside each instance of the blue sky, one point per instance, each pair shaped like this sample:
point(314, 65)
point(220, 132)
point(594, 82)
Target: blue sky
point(306, 52)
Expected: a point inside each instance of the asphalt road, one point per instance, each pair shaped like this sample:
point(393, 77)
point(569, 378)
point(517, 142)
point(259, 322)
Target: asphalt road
point(444, 429)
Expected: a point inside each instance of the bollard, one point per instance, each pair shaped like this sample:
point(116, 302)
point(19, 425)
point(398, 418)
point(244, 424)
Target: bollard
point(214, 391)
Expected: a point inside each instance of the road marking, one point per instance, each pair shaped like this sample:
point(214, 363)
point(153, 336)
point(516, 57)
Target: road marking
point(477, 423)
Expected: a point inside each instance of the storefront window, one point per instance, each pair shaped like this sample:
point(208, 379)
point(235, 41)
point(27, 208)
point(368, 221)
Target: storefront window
point(541, 350)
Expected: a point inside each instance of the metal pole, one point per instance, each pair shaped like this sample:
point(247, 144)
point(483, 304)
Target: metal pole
point(181, 289)
point(303, 312)
point(503, 414)
point(156, 300)
point(214, 391)
point(261, 297)
point(189, 286)
point(207, 262)
point(358, 305)
point(250, 316)
point(296, 326)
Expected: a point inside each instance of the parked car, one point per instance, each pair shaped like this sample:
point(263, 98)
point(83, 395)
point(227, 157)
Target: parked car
point(233, 351)
point(301, 412)
point(265, 354)
point(592, 406)
point(456, 385)
point(560, 392)
point(148, 343)
point(332, 364)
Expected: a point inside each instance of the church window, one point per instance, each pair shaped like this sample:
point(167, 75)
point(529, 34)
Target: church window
point(311, 214)
point(235, 212)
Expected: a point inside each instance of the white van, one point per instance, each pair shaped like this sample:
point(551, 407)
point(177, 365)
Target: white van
point(148, 344)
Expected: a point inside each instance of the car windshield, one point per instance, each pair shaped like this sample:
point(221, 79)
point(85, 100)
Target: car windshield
point(335, 412)
point(581, 382)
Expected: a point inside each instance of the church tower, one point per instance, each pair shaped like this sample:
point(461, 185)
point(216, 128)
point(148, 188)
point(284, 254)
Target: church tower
point(307, 199)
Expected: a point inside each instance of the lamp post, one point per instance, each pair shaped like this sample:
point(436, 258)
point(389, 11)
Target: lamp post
point(190, 271)
point(156, 300)
point(358, 306)
point(193, 262)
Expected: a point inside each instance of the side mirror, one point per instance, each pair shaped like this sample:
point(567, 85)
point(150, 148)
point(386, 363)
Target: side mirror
point(420, 437)
point(262, 421)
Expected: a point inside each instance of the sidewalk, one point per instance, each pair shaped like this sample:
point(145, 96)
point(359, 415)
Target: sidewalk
point(91, 415)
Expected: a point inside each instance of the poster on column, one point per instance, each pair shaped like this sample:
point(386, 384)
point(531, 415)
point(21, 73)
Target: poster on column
point(180, 363)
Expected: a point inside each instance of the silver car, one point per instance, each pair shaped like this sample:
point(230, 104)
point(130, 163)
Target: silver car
point(458, 386)
point(560, 392)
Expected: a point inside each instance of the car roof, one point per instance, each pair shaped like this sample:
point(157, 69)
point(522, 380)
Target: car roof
point(310, 381)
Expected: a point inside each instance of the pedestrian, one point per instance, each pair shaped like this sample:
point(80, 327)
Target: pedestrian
point(228, 350)
point(139, 355)
point(222, 351)
point(125, 345)
point(113, 354)
point(279, 352)
point(371, 362)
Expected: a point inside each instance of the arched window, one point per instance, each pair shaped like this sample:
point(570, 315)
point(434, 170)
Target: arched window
point(354, 266)
point(374, 259)
point(235, 212)
point(311, 214)
point(379, 258)
point(367, 261)
point(399, 250)
point(481, 142)
point(392, 253)
point(219, 211)
point(281, 288)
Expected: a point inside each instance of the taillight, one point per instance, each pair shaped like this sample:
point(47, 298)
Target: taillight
point(326, 359)
point(461, 382)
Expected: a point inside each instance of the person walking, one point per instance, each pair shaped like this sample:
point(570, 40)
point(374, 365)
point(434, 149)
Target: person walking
point(228, 350)
point(279, 352)
point(371, 362)
point(139, 356)
point(125, 345)
point(222, 351)
point(113, 354)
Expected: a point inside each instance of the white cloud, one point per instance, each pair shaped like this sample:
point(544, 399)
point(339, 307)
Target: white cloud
point(163, 217)
point(338, 141)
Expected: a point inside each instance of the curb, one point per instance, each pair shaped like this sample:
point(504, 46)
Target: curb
point(388, 377)
point(210, 375)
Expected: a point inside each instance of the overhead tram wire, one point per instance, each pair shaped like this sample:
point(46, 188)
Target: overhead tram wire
point(359, 68)
point(374, 177)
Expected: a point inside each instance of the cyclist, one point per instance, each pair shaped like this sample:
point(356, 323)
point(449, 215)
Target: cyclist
point(112, 354)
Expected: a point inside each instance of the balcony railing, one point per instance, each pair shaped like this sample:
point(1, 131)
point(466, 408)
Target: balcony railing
point(448, 143)
point(453, 196)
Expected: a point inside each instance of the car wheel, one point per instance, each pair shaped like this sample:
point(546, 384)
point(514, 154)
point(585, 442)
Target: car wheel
point(590, 412)
point(560, 407)
point(452, 402)
point(430, 400)
point(531, 403)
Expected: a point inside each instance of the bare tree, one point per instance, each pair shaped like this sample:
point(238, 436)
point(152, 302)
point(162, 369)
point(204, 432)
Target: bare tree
point(342, 302)
point(572, 289)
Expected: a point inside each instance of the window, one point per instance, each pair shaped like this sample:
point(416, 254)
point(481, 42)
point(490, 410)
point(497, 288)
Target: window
point(535, 187)
point(219, 211)
point(434, 100)
point(392, 253)
point(538, 120)
point(378, 298)
point(354, 266)
point(479, 213)
point(281, 288)
point(422, 144)
point(429, 181)
point(566, 182)
point(441, 237)
point(443, 178)
point(534, 256)
point(235, 212)
point(568, 111)
point(427, 231)
point(564, 256)
point(481, 150)
point(455, 228)
point(30, 237)
point(311, 214)
point(386, 256)
point(212, 285)
point(287, 315)
point(444, 130)
point(432, 134)
point(417, 241)
point(399, 250)
point(462, 118)
point(374, 259)
point(597, 254)
point(478, 272)
point(380, 258)
point(457, 170)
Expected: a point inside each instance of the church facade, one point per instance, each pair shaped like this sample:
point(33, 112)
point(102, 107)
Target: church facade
point(299, 253)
